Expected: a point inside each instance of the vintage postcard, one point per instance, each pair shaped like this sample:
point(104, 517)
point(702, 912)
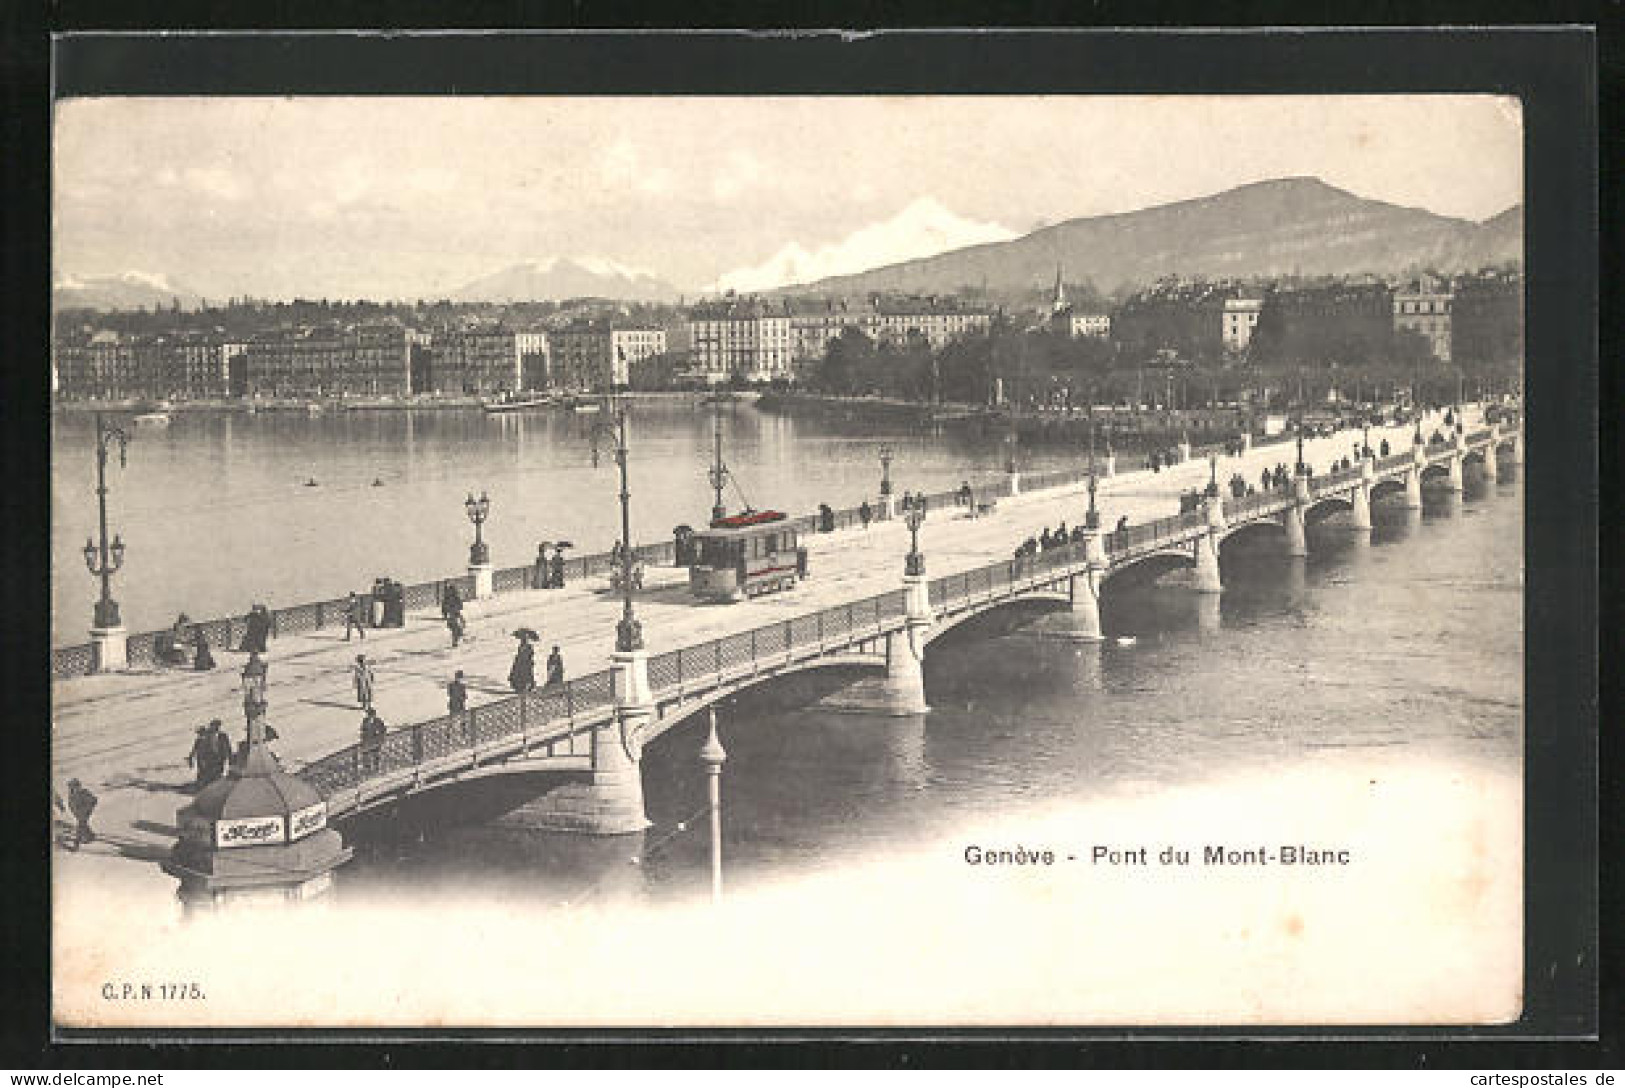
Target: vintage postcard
point(837, 561)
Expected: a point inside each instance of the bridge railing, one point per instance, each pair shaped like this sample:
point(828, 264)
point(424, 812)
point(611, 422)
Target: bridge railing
point(1256, 505)
point(1333, 481)
point(1393, 461)
point(1151, 535)
point(546, 714)
point(227, 632)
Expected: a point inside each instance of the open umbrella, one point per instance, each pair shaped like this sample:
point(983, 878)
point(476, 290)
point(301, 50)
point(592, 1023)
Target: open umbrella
point(526, 633)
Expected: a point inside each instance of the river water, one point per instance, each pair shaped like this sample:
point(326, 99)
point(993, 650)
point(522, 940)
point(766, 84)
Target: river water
point(1407, 648)
point(216, 513)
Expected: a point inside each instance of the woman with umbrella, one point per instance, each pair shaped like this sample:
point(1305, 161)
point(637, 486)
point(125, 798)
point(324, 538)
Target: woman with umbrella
point(522, 674)
point(558, 563)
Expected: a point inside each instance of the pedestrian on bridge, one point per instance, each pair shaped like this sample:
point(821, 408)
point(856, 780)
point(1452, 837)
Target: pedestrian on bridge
point(1383, 449)
point(456, 694)
point(555, 669)
point(256, 629)
point(451, 610)
point(361, 672)
point(81, 803)
point(204, 757)
point(558, 565)
point(539, 577)
point(865, 514)
point(202, 659)
point(373, 731)
point(522, 673)
point(352, 617)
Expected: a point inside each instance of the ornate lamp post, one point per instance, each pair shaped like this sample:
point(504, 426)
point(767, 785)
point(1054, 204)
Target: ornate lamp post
point(914, 564)
point(628, 632)
point(886, 455)
point(253, 677)
point(718, 473)
point(104, 559)
point(1213, 475)
point(478, 510)
point(1300, 465)
point(1091, 520)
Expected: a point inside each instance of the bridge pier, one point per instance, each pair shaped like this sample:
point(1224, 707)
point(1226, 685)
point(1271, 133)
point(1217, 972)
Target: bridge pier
point(1492, 470)
point(484, 580)
point(1297, 542)
point(609, 800)
point(109, 649)
point(1361, 496)
point(1458, 459)
point(1083, 589)
point(1207, 549)
point(903, 691)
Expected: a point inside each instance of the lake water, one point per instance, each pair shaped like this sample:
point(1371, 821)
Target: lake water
point(215, 511)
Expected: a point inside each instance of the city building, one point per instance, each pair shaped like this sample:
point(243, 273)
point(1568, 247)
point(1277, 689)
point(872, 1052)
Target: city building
point(1423, 307)
point(1339, 323)
point(1092, 325)
point(1173, 317)
point(1240, 319)
point(1487, 320)
point(484, 361)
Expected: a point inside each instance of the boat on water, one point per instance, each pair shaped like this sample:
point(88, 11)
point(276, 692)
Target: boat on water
point(519, 404)
point(152, 419)
point(586, 406)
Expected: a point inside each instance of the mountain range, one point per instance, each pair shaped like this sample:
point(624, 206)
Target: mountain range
point(1287, 226)
point(121, 291)
point(566, 277)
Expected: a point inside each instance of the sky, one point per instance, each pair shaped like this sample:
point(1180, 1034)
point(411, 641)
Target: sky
point(406, 198)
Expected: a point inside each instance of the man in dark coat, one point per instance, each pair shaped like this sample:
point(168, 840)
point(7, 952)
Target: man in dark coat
point(352, 617)
point(222, 748)
point(557, 566)
point(202, 659)
point(451, 608)
point(555, 669)
point(522, 675)
point(81, 803)
point(203, 758)
point(456, 694)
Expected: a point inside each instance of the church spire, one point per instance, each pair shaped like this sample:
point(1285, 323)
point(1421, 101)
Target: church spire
point(1059, 302)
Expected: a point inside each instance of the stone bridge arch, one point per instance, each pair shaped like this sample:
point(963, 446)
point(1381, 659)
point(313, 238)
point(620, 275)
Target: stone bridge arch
point(1150, 567)
point(1388, 485)
point(946, 624)
point(1252, 530)
point(1326, 506)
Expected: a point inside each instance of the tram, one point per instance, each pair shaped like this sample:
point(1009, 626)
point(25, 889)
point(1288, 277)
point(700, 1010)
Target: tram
point(743, 556)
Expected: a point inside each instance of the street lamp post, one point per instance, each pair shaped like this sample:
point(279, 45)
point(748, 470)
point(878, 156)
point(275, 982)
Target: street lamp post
point(254, 675)
point(1091, 520)
point(1213, 475)
point(914, 564)
point(478, 510)
point(104, 559)
point(628, 632)
point(886, 455)
point(718, 473)
point(1300, 465)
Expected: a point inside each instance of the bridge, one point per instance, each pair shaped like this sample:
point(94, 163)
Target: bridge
point(859, 611)
point(592, 731)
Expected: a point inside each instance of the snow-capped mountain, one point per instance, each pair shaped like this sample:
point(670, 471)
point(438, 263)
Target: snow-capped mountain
point(121, 291)
point(922, 229)
point(566, 277)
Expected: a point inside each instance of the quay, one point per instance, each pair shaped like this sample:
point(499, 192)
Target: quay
point(126, 734)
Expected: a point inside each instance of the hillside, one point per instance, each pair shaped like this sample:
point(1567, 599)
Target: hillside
point(1287, 226)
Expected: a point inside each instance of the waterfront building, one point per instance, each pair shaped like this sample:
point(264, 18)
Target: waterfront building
point(1331, 323)
point(1182, 317)
point(481, 360)
point(1424, 307)
point(1487, 319)
point(535, 358)
point(630, 346)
